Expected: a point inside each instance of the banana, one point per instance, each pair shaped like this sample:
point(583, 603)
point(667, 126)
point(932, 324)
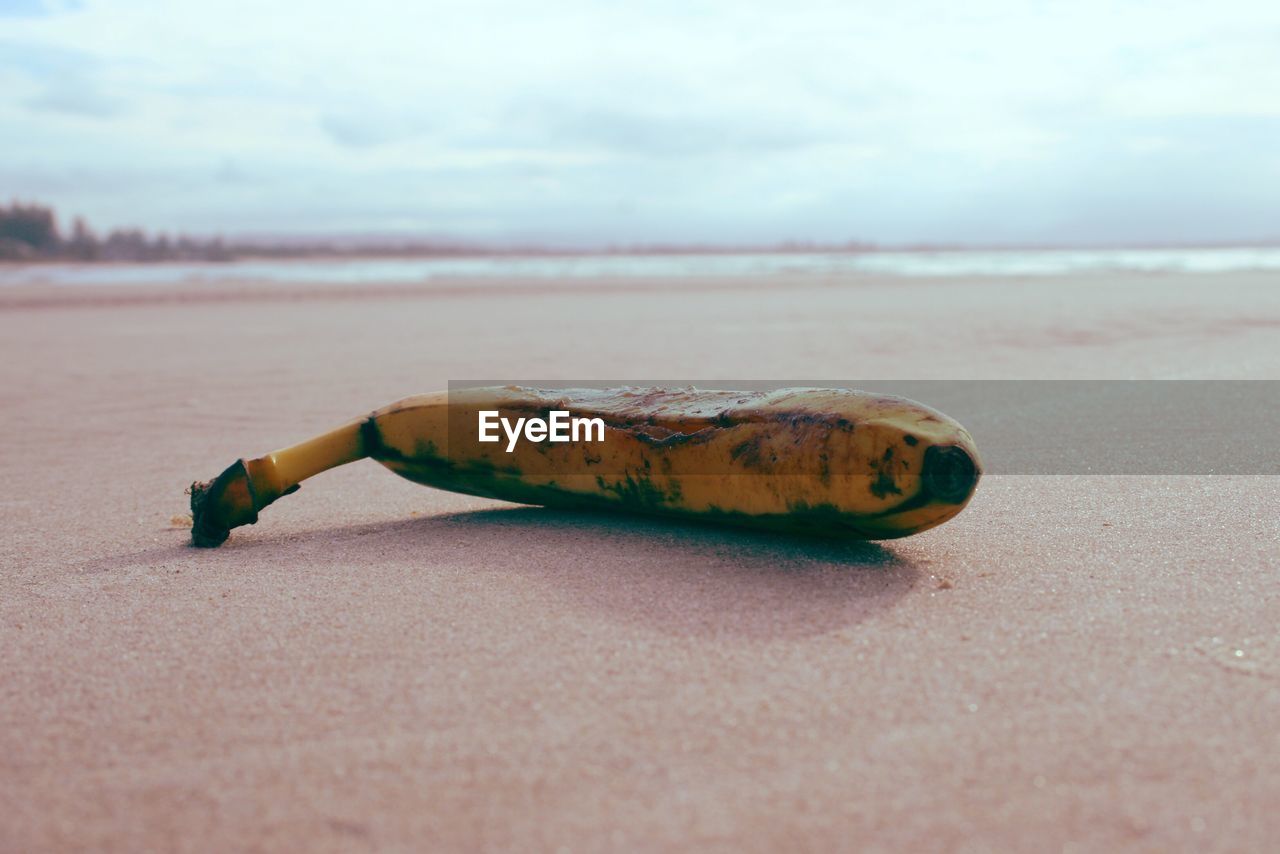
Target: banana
point(804, 460)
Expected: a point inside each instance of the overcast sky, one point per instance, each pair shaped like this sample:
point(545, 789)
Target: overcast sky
point(650, 121)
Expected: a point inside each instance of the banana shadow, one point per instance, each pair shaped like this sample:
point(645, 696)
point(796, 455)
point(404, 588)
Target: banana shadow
point(675, 577)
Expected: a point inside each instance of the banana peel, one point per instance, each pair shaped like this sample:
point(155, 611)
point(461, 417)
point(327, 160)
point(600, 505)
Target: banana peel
point(831, 462)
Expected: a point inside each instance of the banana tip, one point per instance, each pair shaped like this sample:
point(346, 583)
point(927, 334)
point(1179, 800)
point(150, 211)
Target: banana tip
point(221, 504)
point(203, 534)
point(950, 473)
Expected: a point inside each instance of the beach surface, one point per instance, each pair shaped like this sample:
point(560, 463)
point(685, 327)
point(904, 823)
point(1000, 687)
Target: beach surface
point(1074, 663)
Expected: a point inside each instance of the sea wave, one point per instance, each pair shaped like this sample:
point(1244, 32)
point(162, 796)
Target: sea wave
point(348, 271)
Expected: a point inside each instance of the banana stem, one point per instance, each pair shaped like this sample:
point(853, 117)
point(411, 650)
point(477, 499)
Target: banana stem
point(235, 497)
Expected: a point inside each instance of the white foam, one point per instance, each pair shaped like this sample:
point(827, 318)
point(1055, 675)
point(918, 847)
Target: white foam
point(604, 266)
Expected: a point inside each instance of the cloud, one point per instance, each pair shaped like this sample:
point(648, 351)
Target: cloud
point(38, 60)
point(37, 8)
point(365, 129)
point(650, 132)
point(75, 95)
point(229, 172)
point(64, 79)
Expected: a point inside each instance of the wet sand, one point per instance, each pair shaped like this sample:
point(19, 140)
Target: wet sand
point(1074, 663)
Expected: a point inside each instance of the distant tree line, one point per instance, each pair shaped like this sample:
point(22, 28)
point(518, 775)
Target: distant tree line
point(30, 232)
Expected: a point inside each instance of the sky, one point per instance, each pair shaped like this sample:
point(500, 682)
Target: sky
point(599, 123)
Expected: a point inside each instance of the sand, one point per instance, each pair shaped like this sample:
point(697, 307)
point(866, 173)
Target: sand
point(1074, 663)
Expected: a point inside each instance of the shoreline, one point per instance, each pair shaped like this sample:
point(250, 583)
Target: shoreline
point(355, 271)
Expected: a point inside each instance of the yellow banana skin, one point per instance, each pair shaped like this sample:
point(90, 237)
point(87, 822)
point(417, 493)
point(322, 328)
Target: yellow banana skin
point(823, 461)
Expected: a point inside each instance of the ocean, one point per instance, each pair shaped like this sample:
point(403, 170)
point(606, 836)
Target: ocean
point(349, 271)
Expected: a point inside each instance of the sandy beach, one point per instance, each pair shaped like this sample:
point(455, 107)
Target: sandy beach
point(1075, 663)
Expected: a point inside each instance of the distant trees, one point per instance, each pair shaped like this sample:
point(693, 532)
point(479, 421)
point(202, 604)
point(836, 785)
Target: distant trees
point(82, 245)
point(29, 232)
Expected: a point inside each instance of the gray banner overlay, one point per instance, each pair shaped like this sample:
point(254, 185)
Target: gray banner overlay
point(1068, 427)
